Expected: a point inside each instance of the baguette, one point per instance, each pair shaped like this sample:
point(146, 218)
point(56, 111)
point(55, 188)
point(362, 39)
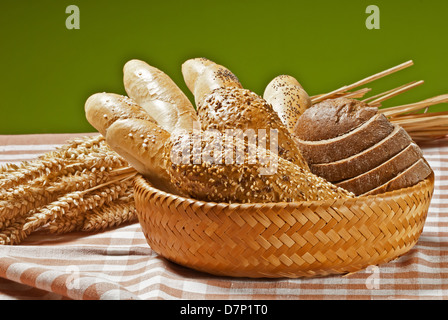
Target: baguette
point(223, 105)
point(159, 96)
point(288, 99)
point(103, 109)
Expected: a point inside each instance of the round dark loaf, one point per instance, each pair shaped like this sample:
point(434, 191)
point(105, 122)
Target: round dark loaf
point(357, 148)
point(332, 118)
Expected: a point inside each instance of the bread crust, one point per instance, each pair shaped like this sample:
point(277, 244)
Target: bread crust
point(202, 76)
point(384, 172)
point(224, 104)
point(419, 171)
point(324, 151)
point(357, 148)
point(145, 146)
point(332, 118)
point(133, 134)
point(366, 160)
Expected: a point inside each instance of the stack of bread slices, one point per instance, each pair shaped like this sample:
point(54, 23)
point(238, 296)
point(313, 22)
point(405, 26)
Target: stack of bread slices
point(353, 146)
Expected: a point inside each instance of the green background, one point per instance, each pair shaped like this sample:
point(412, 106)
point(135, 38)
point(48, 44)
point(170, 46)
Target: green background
point(49, 71)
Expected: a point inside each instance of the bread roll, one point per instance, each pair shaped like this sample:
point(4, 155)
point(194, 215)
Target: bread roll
point(353, 146)
point(223, 104)
point(103, 109)
point(159, 96)
point(133, 134)
point(288, 99)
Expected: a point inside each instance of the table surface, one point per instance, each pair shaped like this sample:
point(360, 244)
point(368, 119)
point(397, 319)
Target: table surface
point(118, 263)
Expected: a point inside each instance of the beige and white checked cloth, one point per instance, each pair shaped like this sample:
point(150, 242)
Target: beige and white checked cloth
point(119, 264)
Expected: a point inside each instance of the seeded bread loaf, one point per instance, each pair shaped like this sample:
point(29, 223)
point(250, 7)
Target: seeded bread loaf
point(357, 148)
point(223, 104)
point(269, 179)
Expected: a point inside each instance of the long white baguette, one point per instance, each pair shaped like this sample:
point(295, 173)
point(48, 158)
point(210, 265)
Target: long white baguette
point(157, 93)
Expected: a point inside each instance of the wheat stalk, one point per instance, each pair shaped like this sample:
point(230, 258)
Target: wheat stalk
point(70, 188)
point(347, 88)
point(113, 214)
point(429, 126)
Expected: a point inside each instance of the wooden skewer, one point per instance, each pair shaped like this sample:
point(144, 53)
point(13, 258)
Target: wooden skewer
point(395, 92)
point(362, 82)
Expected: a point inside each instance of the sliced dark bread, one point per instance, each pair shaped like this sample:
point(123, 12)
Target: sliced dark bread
point(346, 145)
point(366, 160)
point(409, 177)
point(384, 172)
point(331, 118)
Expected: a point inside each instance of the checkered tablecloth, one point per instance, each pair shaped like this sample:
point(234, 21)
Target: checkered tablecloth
point(119, 264)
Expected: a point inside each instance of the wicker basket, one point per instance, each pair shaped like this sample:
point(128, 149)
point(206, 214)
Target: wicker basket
point(314, 238)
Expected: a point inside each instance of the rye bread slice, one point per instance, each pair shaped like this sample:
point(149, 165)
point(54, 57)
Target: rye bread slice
point(331, 118)
point(351, 143)
point(384, 172)
point(368, 159)
point(411, 176)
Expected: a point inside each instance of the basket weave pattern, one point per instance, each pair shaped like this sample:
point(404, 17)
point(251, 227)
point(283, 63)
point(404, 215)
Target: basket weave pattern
point(314, 238)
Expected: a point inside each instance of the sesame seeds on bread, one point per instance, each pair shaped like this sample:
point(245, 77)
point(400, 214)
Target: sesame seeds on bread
point(242, 109)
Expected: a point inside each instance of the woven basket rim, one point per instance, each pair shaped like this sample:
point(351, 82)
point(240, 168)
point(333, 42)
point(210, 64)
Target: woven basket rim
point(142, 182)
